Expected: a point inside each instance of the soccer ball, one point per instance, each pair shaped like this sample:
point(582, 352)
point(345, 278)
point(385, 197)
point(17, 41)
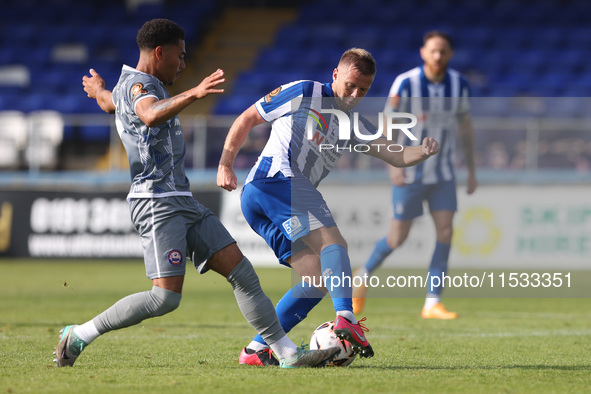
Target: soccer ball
point(324, 337)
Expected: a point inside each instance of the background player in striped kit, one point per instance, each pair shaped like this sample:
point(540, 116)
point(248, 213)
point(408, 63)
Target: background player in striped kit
point(280, 200)
point(439, 97)
point(172, 224)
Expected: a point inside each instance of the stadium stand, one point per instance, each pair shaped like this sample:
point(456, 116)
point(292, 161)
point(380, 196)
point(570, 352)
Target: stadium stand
point(47, 46)
point(525, 48)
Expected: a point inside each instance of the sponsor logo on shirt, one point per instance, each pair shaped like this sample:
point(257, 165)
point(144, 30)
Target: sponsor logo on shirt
point(293, 226)
point(269, 97)
point(137, 89)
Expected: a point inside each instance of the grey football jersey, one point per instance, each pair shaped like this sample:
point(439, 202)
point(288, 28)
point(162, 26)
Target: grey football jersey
point(156, 154)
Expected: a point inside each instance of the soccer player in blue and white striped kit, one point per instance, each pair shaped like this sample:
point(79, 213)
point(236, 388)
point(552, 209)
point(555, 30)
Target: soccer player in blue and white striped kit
point(439, 97)
point(280, 199)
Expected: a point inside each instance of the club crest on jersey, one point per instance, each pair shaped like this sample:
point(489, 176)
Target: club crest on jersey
point(270, 96)
point(175, 257)
point(326, 212)
point(137, 89)
point(293, 226)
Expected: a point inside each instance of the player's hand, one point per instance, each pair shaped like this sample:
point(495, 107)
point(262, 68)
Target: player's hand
point(226, 178)
point(397, 176)
point(207, 86)
point(430, 147)
point(93, 84)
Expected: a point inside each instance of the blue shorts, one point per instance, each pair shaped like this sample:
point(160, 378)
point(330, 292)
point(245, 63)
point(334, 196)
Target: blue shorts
point(408, 200)
point(279, 209)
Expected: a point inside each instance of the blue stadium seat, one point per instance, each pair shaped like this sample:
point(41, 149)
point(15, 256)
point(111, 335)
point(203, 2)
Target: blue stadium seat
point(366, 37)
point(274, 58)
point(531, 60)
point(512, 38)
point(22, 34)
point(233, 105)
point(95, 133)
point(295, 36)
point(381, 85)
point(472, 38)
point(33, 101)
point(112, 15)
point(146, 11)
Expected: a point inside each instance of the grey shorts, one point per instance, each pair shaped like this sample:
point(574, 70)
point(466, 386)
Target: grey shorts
point(174, 228)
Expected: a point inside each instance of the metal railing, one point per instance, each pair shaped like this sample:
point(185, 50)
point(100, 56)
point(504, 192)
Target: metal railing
point(511, 143)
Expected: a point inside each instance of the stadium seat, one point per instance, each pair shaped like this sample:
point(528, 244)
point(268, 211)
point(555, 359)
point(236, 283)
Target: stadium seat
point(145, 12)
point(46, 131)
point(13, 138)
point(234, 105)
point(369, 37)
point(15, 75)
point(21, 35)
point(92, 133)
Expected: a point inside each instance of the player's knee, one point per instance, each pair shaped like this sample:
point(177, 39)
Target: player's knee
point(445, 234)
point(165, 301)
point(243, 277)
point(345, 245)
point(396, 240)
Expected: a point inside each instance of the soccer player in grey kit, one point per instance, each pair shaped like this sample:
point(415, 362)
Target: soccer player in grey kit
point(172, 225)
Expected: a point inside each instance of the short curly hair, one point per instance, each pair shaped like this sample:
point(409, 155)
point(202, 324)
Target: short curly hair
point(159, 32)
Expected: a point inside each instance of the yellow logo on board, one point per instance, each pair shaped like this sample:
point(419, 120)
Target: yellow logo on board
point(476, 233)
point(5, 226)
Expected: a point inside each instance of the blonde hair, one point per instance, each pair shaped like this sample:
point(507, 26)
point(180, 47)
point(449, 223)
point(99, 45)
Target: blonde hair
point(359, 59)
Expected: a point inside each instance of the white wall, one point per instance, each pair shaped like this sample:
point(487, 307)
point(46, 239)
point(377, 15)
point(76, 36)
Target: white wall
point(497, 227)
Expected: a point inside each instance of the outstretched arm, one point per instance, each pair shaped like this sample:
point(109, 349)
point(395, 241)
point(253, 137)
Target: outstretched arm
point(226, 177)
point(94, 86)
point(154, 112)
point(408, 156)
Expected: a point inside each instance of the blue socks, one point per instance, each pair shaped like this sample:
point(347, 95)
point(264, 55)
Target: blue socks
point(379, 254)
point(295, 306)
point(336, 272)
point(438, 266)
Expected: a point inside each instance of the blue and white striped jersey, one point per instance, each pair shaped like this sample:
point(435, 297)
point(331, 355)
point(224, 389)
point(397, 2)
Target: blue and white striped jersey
point(294, 109)
point(437, 108)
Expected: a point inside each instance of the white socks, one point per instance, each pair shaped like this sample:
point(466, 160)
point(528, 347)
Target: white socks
point(257, 346)
point(348, 315)
point(283, 348)
point(430, 301)
point(87, 332)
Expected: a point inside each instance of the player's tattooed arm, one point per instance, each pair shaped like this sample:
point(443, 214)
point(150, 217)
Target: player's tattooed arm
point(154, 112)
point(162, 105)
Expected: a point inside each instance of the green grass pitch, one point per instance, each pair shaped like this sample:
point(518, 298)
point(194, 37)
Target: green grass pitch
point(497, 345)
